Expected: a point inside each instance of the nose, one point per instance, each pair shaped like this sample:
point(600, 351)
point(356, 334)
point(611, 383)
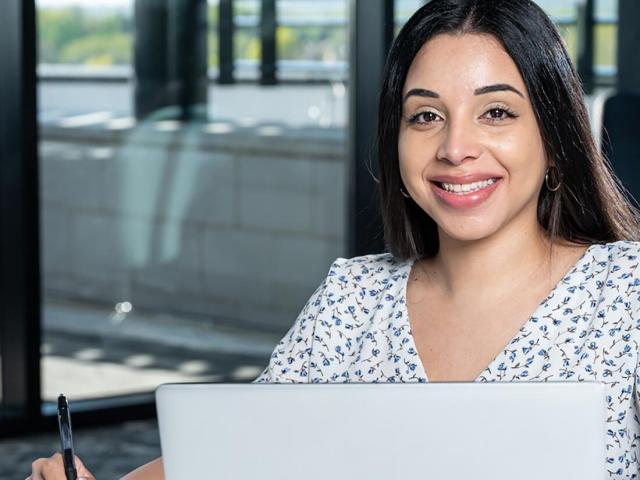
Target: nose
point(460, 142)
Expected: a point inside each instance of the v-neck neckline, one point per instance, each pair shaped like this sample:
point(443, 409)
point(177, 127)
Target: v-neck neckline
point(523, 328)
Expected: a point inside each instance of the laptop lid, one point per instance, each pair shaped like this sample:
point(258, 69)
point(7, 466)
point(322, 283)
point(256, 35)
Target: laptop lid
point(497, 431)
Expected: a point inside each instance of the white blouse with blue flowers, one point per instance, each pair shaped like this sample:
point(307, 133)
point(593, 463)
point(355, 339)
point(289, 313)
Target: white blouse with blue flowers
point(355, 328)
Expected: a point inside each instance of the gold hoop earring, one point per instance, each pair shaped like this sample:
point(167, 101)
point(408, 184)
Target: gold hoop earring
point(404, 194)
point(546, 180)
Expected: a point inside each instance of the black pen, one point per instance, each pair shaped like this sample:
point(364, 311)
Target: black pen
point(66, 439)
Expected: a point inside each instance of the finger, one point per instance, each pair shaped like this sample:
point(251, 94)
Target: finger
point(83, 472)
point(44, 468)
point(86, 476)
point(36, 466)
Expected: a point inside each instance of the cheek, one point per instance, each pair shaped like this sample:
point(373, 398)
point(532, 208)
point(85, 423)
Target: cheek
point(523, 155)
point(405, 158)
point(413, 156)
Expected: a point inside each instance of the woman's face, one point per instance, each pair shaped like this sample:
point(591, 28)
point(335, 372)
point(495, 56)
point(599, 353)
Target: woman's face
point(471, 155)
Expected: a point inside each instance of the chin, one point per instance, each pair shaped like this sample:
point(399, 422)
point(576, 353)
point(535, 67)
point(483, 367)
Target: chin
point(467, 230)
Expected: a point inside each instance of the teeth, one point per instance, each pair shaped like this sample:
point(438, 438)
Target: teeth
point(461, 189)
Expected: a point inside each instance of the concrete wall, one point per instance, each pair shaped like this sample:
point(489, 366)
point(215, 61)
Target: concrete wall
point(210, 222)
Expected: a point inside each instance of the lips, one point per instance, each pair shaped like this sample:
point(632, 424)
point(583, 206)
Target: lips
point(459, 193)
point(463, 179)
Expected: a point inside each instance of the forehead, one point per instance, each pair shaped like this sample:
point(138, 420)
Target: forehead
point(462, 62)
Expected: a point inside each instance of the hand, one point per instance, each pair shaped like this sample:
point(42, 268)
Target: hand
point(52, 468)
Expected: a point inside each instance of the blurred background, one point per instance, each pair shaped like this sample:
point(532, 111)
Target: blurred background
point(178, 176)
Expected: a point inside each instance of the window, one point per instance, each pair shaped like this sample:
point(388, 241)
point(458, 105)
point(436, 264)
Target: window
point(182, 248)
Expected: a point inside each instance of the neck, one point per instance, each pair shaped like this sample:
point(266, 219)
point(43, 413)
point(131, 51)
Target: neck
point(498, 263)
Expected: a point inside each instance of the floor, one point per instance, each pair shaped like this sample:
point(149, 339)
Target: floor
point(85, 364)
point(109, 452)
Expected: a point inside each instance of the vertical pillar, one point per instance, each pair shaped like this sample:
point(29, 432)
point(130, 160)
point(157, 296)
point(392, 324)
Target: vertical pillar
point(170, 58)
point(372, 28)
point(268, 27)
point(150, 60)
point(225, 42)
point(19, 222)
point(621, 117)
point(188, 59)
point(586, 23)
point(628, 42)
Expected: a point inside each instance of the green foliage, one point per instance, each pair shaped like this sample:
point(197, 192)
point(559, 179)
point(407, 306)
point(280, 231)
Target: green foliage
point(246, 44)
point(212, 16)
point(570, 35)
point(606, 44)
point(99, 49)
point(312, 43)
point(70, 35)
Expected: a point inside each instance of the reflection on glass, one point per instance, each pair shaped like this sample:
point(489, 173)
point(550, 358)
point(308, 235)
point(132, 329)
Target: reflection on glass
point(178, 250)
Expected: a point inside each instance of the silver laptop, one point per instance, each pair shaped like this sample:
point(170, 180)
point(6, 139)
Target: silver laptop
point(453, 431)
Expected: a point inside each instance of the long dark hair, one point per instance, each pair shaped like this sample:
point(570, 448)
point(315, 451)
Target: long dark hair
point(589, 207)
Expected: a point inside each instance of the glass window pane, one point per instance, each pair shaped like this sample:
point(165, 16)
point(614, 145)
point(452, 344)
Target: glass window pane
point(212, 39)
point(565, 15)
point(246, 39)
point(180, 237)
point(312, 39)
point(606, 47)
point(607, 10)
point(606, 38)
point(94, 37)
point(403, 9)
point(563, 10)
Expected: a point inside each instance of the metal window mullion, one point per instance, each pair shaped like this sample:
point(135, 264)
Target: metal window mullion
point(371, 34)
point(268, 57)
point(19, 217)
point(585, 24)
point(628, 60)
point(225, 42)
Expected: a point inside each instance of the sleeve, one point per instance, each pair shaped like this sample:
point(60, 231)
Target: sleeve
point(289, 362)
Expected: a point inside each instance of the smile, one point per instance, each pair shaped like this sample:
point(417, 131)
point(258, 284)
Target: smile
point(465, 195)
point(464, 188)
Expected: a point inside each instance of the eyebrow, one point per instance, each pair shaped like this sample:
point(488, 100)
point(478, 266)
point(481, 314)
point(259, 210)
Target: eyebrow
point(420, 92)
point(498, 87)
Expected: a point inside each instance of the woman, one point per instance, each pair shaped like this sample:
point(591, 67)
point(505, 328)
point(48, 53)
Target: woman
point(510, 241)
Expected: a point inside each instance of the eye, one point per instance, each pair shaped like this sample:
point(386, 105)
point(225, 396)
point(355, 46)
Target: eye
point(424, 118)
point(498, 114)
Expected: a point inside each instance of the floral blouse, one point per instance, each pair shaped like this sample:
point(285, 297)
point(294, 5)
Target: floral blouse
point(355, 328)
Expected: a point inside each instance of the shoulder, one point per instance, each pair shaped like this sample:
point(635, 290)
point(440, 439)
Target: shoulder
point(621, 249)
point(369, 279)
point(613, 275)
point(361, 290)
point(612, 265)
point(354, 291)
point(621, 256)
point(367, 270)
point(378, 261)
